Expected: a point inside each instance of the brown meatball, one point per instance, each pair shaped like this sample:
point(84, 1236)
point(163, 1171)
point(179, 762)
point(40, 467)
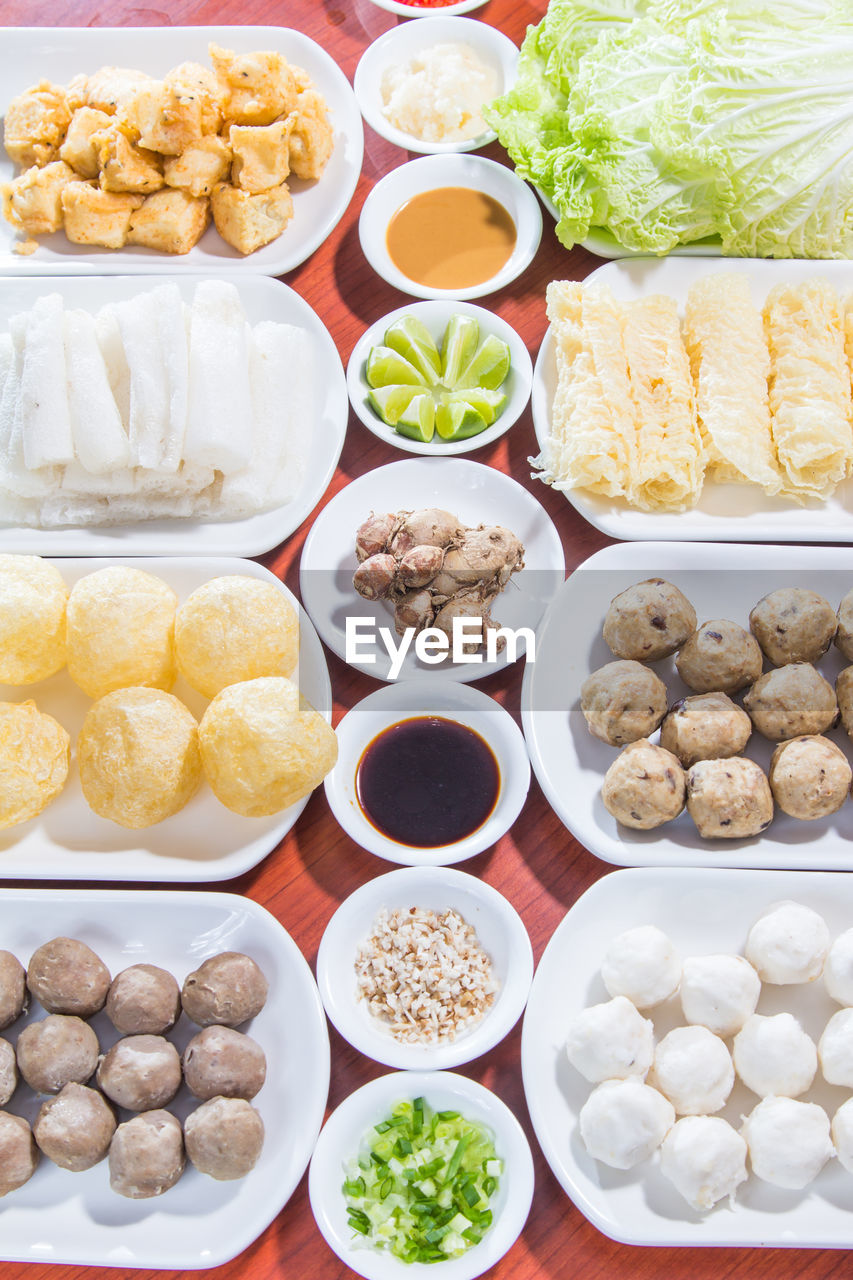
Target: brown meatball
point(623, 701)
point(226, 989)
point(146, 1155)
point(708, 726)
point(18, 1152)
point(224, 1137)
point(729, 799)
point(140, 1073)
point(844, 634)
point(844, 694)
point(224, 1062)
point(644, 786)
point(75, 1128)
point(648, 621)
point(58, 1049)
point(720, 657)
point(14, 997)
point(810, 777)
point(8, 1071)
point(793, 625)
point(67, 977)
point(790, 701)
point(143, 1000)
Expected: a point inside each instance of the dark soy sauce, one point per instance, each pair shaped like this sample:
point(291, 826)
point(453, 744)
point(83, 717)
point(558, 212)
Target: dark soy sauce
point(427, 781)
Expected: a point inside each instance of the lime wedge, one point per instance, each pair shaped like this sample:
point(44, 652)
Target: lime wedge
point(489, 366)
point(488, 403)
point(457, 420)
point(389, 402)
point(457, 349)
point(385, 366)
point(414, 342)
point(417, 421)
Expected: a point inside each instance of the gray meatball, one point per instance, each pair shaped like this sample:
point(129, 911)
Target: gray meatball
point(140, 1073)
point(146, 1155)
point(58, 1049)
point(75, 1128)
point(644, 786)
point(729, 799)
point(648, 621)
point(720, 657)
point(810, 777)
point(18, 1152)
point(225, 1062)
point(224, 1138)
point(14, 996)
point(790, 701)
point(227, 989)
point(844, 633)
point(708, 726)
point(793, 624)
point(844, 695)
point(8, 1071)
point(67, 977)
point(623, 701)
point(143, 1000)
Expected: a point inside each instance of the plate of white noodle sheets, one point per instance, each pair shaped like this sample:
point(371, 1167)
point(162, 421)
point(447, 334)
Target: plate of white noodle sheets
point(701, 398)
point(147, 415)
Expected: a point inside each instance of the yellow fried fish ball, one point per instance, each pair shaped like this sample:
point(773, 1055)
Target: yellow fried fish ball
point(121, 624)
point(34, 754)
point(262, 749)
point(33, 596)
point(138, 757)
point(235, 628)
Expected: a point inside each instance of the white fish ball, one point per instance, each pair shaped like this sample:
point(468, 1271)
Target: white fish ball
point(610, 1041)
point(643, 965)
point(704, 1158)
point(774, 1056)
point(719, 992)
point(623, 1121)
point(835, 1049)
point(693, 1068)
point(838, 969)
point(788, 943)
point(842, 1134)
point(788, 1141)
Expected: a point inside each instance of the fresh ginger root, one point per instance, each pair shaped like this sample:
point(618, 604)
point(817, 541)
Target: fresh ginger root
point(435, 569)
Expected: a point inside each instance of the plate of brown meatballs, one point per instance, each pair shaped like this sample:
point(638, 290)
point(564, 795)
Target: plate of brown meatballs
point(682, 707)
point(164, 1069)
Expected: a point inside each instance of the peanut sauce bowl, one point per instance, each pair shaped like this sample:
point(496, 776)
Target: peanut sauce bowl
point(499, 932)
point(461, 171)
point(427, 697)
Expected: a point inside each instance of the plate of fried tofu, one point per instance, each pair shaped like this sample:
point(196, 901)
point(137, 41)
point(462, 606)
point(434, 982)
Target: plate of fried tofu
point(156, 149)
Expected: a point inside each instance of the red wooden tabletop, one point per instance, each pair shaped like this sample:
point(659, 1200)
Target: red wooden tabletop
point(538, 866)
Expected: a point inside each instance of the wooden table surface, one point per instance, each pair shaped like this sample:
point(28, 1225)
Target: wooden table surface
point(537, 866)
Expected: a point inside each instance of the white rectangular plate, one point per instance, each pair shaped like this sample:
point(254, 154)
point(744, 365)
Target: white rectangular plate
point(721, 582)
point(30, 54)
point(263, 299)
point(205, 841)
point(703, 912)
point(75, 1218)
point(725, 512)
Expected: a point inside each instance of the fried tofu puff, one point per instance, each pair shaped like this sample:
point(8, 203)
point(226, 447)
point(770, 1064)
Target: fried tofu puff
point(33, 599)
point(35, 124)
point(34, 759)
point(120, 631)
point(257, 87)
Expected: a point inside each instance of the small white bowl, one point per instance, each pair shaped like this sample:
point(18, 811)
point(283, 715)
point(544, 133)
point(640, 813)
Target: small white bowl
point(404, 42)
point(499, 930)
point(418, 11)
point(435, 315)
point(456, 170)
point(343, 1134)
point(428, 696)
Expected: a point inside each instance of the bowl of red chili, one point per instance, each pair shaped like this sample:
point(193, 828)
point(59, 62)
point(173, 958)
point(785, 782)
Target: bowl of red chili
point(427, 8)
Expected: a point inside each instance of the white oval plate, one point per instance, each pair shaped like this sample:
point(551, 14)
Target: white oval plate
point(75, 1218)
point(263, 299)
point(473, 492)
point(703, 912)
point(401, 43)
point(204, 841)
point(428, 697)
point(724, 512)
point(30, 54)
point(722, 581)
point(341, 1137)
point(459, 170)
point(435, 315)
point(500, 933)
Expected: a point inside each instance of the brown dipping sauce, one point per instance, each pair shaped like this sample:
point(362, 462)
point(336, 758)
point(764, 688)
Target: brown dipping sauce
point(450, 238)
point(427, 781)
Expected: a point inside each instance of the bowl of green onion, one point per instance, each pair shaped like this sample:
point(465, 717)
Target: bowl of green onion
point(421, 1169)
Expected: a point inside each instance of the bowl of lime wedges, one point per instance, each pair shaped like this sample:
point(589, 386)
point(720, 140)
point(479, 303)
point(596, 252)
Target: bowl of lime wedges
point(439, 377)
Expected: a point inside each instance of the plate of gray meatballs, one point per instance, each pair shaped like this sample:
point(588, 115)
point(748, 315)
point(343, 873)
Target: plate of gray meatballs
point(683, 709)
point(168, 1050)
